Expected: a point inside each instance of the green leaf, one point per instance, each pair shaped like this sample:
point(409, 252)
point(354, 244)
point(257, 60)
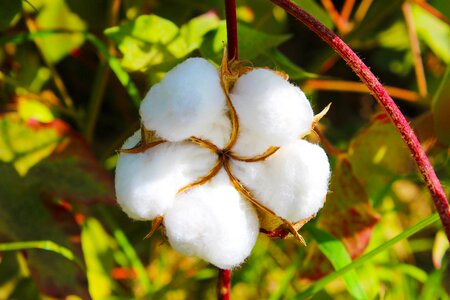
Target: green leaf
point(113, 62)
point(284, 64)
point(193, 32)
point(145, 41)
point(24, 217)
point(322, 283)
point(371, 154)
point(441, 109)
point(336, 253)
point(434, 32)
point(30, 109)
point(151, 40)
point(97, 245)
point(29, 200)
point(347, 215)
point(44, 245)
point(23, 147)
point(251, 42)
point(395, 37)
point(9, 13)
point(317, 11)
point(56, 15)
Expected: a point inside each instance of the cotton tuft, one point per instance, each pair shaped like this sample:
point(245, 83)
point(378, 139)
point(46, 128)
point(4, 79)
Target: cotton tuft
point(199, 187)
point(189, 101)
point(272, 112)
point(147, 183)
point(213, 222)
point(293, 182)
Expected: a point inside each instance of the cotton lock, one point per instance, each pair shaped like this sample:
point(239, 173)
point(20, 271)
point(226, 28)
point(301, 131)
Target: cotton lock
point(228, 150)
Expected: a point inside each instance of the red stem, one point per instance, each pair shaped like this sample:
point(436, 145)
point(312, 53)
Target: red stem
point(224, 285)
point(383, 98)
point(230, 13)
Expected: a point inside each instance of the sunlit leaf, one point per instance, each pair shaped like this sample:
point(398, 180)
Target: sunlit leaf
point(56, 15)
point(434, 32)
point(251, 42)
point(30, 109)
point(379, 156)
point(317, 11)
point(151, 40)
point(97, 245)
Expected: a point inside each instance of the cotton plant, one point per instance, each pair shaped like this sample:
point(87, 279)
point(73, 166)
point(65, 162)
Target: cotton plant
point(220, 157)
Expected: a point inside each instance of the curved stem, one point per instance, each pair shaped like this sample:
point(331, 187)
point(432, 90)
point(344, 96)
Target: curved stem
point(383, 98)
point(224, 285)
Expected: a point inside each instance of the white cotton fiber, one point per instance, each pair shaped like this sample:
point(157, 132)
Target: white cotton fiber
point(147, 182)
point(293, 182)
point(272, 112)
point(189, 101)
point(213, 222)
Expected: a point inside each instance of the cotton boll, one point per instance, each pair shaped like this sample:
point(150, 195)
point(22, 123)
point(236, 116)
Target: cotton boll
point(293, 182)
point(272, 112)
point(147, 183)
point(213, 222)
point(187, 101)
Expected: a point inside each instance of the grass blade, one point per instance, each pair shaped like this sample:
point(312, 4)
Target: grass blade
point(43, 245)
point(336, 253)
point(320, 284)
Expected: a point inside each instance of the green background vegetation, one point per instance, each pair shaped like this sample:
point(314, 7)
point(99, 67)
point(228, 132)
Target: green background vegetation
point(72, 75)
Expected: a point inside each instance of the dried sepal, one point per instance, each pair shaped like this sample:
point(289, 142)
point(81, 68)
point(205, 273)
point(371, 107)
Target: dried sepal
point(320, 115)
point(247, 195)
point(263, 156)
point(204, 179)
point(156, 224)
point(148, 140)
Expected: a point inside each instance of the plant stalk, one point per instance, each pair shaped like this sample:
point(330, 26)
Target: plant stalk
point(224, 282)
point(232, 36)
point(383, 98)
point(224, 285)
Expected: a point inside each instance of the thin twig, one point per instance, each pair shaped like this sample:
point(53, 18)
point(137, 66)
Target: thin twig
point(357, 87)
point(362, 10)
point(341, 25)
point(347, 9)
point(415, 48)
point(397, 118)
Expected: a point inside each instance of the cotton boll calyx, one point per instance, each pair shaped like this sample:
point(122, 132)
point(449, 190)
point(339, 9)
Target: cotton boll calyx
point(271, 111)
point(293, 182)
point(213, 222)
point(147, 182)
point(189, 101)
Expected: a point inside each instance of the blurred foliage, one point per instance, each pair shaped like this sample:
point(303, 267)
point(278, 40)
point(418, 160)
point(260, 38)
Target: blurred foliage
point(72, 74)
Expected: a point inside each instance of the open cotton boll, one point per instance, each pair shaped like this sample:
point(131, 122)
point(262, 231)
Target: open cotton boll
point(147, 183)
point(270, 109)
point(293, 182)
point(186, 101)
point(213, 222)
